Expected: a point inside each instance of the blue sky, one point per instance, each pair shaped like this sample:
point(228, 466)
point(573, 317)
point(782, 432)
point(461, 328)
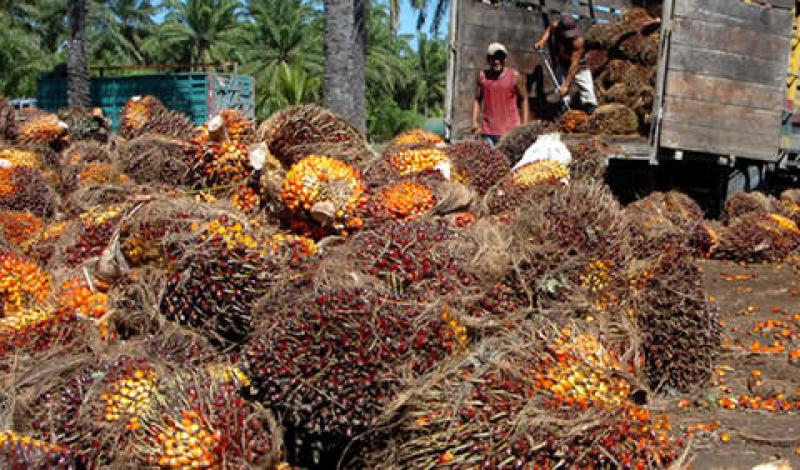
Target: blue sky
point(408, 21)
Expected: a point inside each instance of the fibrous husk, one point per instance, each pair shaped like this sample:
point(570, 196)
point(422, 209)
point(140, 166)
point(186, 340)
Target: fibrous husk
point(512, 401)
point(790, 202)
point(596, 60)
point(295, 133)
point(26, 189)
point(758, 237)
point(137, 111)
point(614, 119)
point(679, 328)
point(86, 125)
point(86, 152)
point(475, 164)
point(747, 202)
point(154, 158)
point(518, 140)
point(601, 36)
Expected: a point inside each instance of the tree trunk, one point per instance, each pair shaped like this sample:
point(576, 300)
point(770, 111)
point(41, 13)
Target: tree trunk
point(337, 90)
point(359, 88)
point(78, 62)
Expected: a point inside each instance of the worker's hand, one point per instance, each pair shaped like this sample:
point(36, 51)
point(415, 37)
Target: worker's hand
point(563, 90)
point(538, 46)
point(475, 129)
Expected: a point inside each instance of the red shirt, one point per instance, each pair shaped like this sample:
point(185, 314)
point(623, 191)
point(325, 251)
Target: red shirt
point(499, 106)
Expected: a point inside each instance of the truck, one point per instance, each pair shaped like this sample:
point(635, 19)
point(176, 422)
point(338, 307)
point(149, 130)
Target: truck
point(723, 117)
point(198, 94)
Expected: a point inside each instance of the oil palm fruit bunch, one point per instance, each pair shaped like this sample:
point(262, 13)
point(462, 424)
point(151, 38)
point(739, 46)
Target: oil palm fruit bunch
point(21, 157)
point(298, 248)
point(413, 139)
point(476, 164)
point(758, 237)
point(167, 123)
point(218, 153)
point(76, 297)
point(43, 245)
point(746, 202)
point(86, 152)
point(155, 159)
point(136, 113)
point(571, 245)
point(590, 159)
point(86, 125)
point(413, 258)
point(22, 283)
point(205, 423)
point(687, 214)
point(680, 330)
point(212, 288)
point(518, 140)
point(294, 133)
point(25, 189)
point(95, 228)
point(44, 129)
point(18, 452)
point(325, 189)
point(32, 329)
point(407, 162)
point(568, 380)
point(331, 362)
point(575, 121)
point(790, 201)
point(19, 227)
point(153, 236)
point(540, 177)
point(409, 198)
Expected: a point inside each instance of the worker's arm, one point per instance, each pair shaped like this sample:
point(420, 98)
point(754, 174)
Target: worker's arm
point(476, 106)
point(574, 65)
point(523, 96)
point(545, 35)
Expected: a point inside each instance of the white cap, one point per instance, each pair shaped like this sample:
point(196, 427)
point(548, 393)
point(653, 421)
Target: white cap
point(496, 47)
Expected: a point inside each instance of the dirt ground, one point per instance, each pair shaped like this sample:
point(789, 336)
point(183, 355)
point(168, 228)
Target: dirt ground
point(751, 413)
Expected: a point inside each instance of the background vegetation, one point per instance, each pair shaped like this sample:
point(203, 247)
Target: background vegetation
point(279, 42)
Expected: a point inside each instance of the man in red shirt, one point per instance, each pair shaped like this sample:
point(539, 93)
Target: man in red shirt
point(500, 97)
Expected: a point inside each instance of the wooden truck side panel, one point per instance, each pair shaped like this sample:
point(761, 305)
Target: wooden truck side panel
point(724, 77)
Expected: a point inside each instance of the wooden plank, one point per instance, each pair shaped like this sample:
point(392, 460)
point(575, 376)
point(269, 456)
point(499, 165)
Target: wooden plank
point(724, 91)
point(685, 136)
point(722, 116)
point(736, 13)
point(478, 13)
point(771, 73)
point(733, 39)
point(512, 38)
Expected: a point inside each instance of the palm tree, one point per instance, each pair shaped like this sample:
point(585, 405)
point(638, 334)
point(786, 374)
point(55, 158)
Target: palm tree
point(280, 36)
point(78, 61)
point(291, 86)
point(22, 58)
point(197, 31)
point(337, 89)
point(430, 62)
point(118, 30)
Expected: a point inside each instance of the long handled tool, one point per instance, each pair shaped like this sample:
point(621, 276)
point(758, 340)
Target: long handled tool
point(564, 99)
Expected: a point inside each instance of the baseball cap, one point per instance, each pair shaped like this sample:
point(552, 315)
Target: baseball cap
point(567, 27)
point(496, 47)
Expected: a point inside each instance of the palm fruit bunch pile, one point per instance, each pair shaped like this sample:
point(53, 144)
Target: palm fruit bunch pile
point(476, 164)
point(757, 237)
point(747, 202)
point(25, 452)
point(541, 176)
point(575, 121)
point(622, 57)
point(566, 387)
point(212, 288)
point(154, 158)
point(332, 362)
point(790, 202)
point(679, 327)
point(571, 247)
point(218, 152)
point(661, 220)
point(294, 133)
point(136, 113)
point(23, 188)
point(518, 140)
point(44, 129)
point(18, 226)
point(325, 190)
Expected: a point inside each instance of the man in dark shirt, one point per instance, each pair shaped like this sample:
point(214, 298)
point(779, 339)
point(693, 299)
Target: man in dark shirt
point(570, 62)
